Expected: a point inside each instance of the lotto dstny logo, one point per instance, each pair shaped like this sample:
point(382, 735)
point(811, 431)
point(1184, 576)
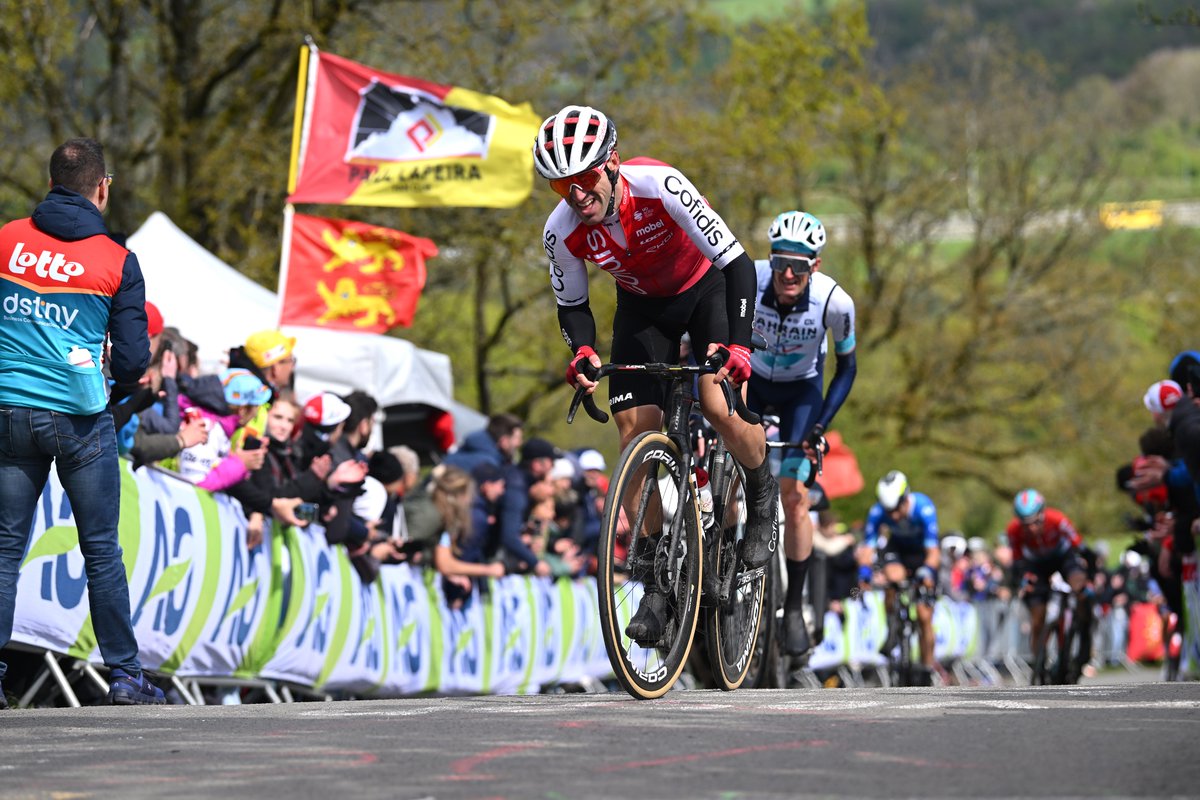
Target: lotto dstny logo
point(39, 310)
point(47, 264)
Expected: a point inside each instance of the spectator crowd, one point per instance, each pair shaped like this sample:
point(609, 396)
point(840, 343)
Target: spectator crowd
point(500, 503)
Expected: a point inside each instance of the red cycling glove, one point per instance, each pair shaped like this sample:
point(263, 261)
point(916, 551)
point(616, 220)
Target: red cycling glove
point(585, 354)
point(738, 361)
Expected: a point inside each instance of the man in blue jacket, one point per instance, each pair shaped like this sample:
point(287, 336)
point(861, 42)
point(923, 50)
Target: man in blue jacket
point(64, 286)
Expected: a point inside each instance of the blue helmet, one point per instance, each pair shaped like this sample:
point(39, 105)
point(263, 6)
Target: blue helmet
point(1028, 504)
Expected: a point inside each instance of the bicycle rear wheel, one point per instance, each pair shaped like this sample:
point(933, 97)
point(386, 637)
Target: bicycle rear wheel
point(652, 532)
point(732, 623)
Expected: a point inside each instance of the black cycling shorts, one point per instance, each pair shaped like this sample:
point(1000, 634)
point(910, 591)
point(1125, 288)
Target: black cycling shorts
point(1065, 564)
point(647, 330)
point(911, 559)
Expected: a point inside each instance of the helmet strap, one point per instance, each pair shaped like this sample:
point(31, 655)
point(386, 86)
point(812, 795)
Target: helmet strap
point(614, 175)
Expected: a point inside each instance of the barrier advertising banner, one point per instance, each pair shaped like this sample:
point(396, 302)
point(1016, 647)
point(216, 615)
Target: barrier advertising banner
point(294, 609)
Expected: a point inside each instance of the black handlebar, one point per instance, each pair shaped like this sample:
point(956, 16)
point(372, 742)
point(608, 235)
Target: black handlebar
point(733, 399)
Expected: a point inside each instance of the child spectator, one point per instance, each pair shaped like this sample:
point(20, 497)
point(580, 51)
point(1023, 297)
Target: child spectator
point(226, 401)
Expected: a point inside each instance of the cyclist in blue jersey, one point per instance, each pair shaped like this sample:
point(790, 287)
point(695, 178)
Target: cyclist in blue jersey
point(797, 306)
point(902, 529)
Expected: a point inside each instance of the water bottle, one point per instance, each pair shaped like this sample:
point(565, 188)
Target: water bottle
point(86, 379)
point(705, 497)
point(80, 357)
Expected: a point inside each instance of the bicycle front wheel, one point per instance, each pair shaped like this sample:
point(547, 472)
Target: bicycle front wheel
point(732, 622)
point(650, 545)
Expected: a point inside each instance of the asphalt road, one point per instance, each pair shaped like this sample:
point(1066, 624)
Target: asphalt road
point(1088, 741)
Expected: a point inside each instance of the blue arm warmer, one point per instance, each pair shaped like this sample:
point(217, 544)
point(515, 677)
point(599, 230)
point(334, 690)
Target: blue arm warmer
point(839, 388)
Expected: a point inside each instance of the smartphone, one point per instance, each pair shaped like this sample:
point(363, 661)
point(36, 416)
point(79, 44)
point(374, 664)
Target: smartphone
point(306, 512)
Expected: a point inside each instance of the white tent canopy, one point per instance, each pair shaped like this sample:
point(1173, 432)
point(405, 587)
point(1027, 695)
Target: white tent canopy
point(218, 307)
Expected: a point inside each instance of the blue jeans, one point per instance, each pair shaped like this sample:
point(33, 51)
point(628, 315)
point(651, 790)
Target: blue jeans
point(84, 449)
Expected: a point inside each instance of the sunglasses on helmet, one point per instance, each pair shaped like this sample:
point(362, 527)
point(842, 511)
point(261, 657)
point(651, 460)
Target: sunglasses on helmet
point(798, 264)
point(586, 181)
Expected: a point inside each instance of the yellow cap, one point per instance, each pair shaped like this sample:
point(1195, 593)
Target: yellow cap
point(267, 347)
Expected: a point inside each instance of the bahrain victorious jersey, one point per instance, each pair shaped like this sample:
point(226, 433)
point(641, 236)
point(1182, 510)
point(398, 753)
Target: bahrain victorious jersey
point(657, 243)
point(796, 335)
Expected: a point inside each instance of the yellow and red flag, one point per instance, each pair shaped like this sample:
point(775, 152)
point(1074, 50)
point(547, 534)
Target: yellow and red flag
point(349, 275)
point(369, 138)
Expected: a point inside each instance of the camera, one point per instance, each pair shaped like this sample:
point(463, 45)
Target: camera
point(306, 512)
point(251, 443)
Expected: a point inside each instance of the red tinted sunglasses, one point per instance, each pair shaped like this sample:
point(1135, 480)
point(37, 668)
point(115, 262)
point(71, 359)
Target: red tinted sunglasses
point(586, 181)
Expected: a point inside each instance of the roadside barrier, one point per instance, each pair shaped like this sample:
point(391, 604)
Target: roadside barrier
point(294, 610)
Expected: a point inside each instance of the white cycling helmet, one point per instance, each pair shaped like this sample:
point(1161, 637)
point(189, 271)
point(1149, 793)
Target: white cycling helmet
point(891, 490)
point(797, 232)
point(574, 140)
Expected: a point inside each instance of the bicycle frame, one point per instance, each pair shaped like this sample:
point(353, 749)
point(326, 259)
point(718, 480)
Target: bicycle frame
point(638, 490)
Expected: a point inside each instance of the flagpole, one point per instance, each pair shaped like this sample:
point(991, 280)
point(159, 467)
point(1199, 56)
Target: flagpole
point(284, 259)
point(299, 128)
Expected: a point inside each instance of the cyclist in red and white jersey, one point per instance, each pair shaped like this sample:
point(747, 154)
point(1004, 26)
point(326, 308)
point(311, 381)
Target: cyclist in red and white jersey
point(678, 269)
point(1043, 542)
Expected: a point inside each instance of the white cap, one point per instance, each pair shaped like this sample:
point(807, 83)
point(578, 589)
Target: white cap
point(369, 505)
point(1162, 396)
point(563, 468)
point(592, 459)
point(976, 543)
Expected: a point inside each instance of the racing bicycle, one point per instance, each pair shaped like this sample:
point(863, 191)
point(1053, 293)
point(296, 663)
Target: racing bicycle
point(1065, 642)
point(903, 629)
point(654, 529)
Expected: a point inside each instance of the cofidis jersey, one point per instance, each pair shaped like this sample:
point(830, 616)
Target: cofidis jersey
point(658, 242)
point(55, 294)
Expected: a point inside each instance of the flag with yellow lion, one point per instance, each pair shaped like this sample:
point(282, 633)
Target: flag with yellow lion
point(350, 275)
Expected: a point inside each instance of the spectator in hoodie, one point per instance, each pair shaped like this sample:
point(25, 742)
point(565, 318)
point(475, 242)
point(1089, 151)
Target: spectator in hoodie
point(227, 402)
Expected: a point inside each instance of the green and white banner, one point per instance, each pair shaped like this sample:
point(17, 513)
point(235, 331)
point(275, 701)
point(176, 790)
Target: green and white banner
point(294, 609)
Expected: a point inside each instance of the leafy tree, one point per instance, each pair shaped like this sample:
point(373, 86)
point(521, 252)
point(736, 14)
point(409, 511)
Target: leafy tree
point(978, 360)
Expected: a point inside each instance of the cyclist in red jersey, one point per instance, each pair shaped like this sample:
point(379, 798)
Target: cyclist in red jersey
point(679, 269)
point(1043, 542)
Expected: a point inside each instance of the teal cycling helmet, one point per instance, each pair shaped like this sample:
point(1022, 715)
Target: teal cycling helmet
point(797, 232)
point(1028, 504)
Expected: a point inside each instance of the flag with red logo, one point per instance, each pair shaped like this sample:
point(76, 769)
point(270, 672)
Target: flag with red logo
point(370, 138)
point(350, 275)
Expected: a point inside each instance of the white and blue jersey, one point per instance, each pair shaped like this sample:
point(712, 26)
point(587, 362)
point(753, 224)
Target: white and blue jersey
point(788, 375)
point(911, 535)
point(796, 340)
